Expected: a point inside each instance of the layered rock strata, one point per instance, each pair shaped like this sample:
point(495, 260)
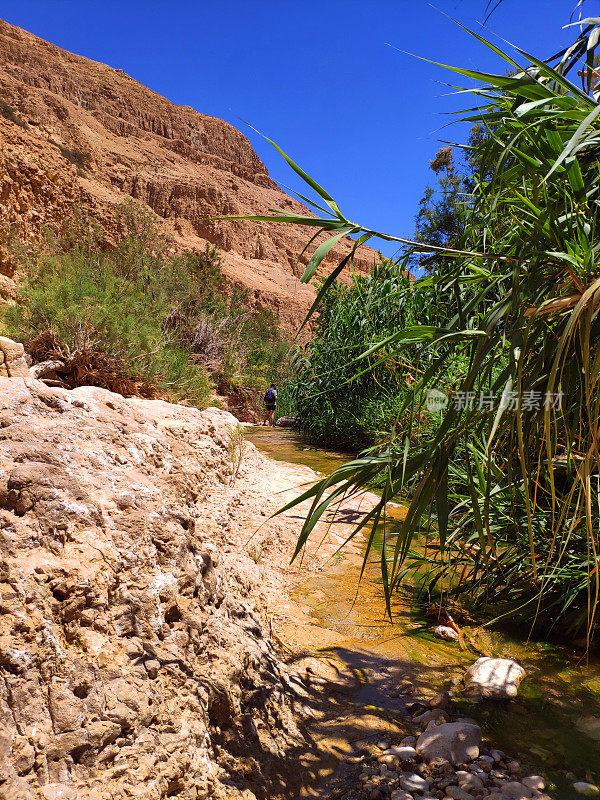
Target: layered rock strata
point(77, 135)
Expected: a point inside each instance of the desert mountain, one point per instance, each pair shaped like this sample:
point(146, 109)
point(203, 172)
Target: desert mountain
point(77, 134)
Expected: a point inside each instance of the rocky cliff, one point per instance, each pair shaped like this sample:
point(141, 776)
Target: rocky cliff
point(75, 134)
point(133, 657)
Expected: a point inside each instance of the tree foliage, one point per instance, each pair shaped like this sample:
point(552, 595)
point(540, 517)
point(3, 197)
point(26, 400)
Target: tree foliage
point(518, 484)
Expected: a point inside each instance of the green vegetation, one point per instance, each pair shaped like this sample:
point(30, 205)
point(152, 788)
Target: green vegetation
point(506, 491)
point(236, 450)
point(343, 394)
point(138, 319)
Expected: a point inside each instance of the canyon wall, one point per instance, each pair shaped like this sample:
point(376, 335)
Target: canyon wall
point(79, 135)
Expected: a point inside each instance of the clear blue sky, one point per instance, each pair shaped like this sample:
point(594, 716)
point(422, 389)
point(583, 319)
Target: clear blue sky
point(315, 75)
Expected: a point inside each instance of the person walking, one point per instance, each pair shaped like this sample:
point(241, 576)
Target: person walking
point(270, 404)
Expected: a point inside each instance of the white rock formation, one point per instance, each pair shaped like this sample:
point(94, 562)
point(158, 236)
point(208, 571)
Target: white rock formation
point(495, 677)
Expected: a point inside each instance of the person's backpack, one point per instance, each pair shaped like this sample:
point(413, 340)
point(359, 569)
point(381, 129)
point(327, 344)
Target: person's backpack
point(270, 396)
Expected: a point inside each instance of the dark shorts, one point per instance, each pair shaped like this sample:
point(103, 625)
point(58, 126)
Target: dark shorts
point(270, 408)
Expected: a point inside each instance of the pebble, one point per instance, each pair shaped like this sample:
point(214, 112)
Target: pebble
point(400, 794)
point(445, 632)
point(457, 793)
point(414, 783)
point(466, 780)
point(476, 770)
point(535, 782)
point(402, 752)
point(497, 755)
point(409, 741)
point(589, 789)
point(388, 759)
point(433, 714)
point(513, 790)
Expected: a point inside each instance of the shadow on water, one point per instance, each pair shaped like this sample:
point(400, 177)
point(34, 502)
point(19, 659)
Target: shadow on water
point(554, 724)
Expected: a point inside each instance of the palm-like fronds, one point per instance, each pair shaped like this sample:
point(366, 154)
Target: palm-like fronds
point(525, 282)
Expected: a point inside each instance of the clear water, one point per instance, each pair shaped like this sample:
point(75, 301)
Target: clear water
point(554, 724)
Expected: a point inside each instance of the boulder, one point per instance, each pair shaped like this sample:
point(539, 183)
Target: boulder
point(456, 742)
point(12, 359)
point(495, 677)
point(446, 633)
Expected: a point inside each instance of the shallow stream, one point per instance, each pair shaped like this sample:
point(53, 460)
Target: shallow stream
point(554, 725)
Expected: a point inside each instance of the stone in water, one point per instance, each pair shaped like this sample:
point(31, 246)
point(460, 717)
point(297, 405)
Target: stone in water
point(446, 633)
point(495, 677)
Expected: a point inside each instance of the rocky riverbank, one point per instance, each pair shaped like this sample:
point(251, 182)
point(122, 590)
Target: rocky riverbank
point(149, 644)
point(444, 759)
point(135, 659)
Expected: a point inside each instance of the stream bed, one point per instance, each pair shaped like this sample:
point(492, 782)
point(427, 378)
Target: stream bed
point(553, 725)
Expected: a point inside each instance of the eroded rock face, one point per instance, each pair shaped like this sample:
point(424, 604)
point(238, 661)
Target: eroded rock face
point(132, 658)
point(83, 135)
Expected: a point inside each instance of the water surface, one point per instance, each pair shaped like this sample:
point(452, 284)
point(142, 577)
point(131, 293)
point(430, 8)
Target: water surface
point(554, 724)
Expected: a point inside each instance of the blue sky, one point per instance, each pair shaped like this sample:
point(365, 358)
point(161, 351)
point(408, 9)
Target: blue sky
point(315, 75)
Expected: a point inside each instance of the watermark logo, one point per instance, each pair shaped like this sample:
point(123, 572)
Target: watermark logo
point(436, 400)
point(527, 400)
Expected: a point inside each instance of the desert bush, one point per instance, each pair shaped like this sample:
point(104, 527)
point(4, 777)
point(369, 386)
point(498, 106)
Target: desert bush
point(137, 318)
point(103, 312)
point(237, 447)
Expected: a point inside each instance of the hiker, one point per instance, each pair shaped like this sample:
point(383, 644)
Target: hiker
point(270, 403)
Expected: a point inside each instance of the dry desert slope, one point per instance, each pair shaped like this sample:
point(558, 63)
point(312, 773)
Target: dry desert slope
point(85, 135)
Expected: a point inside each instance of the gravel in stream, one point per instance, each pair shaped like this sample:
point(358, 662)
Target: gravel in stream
point(405, 770)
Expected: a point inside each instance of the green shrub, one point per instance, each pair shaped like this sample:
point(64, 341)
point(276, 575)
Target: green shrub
point(353, 403)
point(110, 302)
point(137, 318)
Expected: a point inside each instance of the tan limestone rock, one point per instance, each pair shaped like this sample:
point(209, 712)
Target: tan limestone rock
point(85, 136)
